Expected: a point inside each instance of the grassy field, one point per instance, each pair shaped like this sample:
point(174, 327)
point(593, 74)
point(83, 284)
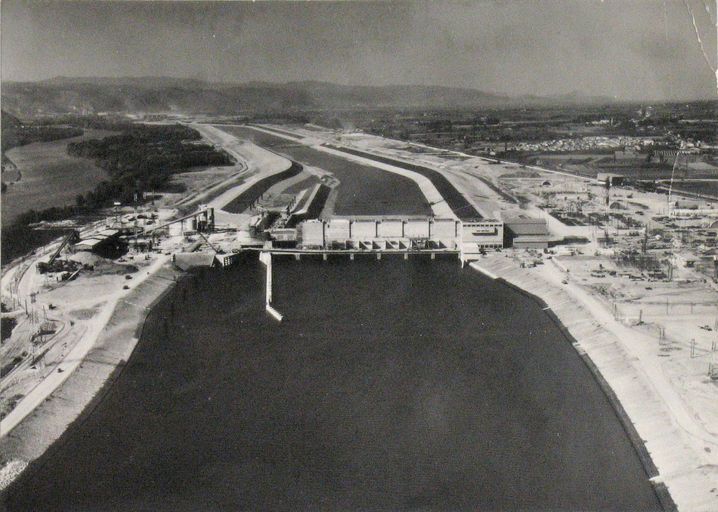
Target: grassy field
point(48, 176)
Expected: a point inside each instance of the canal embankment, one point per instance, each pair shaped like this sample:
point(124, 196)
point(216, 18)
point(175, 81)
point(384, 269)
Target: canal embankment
point(86, 373)
point(468, 384)
point(670, 441)
point(364, 187)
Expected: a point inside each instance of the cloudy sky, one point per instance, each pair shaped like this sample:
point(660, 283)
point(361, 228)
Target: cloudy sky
point(630, 49)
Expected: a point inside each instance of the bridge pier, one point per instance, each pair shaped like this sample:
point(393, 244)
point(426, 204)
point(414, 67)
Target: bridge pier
point(433, 255)
point(378, 256)
point(297, 256)
point(325, 256)
point(406, 256)
point(351, 256)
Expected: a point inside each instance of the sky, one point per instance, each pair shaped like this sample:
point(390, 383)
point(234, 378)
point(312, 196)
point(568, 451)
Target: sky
point(627, 49)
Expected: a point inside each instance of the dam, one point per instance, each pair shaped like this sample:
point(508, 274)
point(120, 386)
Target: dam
point(399, 384)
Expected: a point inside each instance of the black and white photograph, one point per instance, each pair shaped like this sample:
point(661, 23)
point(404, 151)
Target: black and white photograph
point(359, 256)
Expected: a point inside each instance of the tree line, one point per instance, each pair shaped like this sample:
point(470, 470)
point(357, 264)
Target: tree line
point(142, 159)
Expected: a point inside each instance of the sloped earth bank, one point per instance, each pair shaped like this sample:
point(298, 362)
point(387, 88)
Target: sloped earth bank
point(363, 189)
point(390, 385)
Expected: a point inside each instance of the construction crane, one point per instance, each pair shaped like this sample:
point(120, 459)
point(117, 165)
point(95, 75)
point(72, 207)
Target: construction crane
point(74, 235)
point(670, 186)
point(215, 249)
point(47, 266)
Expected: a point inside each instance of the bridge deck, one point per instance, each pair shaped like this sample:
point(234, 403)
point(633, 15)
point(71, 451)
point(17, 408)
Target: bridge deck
point(275, 250)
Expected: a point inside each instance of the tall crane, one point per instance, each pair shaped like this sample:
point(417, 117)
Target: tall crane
point(45, 266)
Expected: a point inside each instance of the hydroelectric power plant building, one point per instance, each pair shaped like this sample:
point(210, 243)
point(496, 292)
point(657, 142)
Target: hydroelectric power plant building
point(466, 237)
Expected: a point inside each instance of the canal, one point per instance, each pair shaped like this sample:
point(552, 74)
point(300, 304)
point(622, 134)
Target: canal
point(363, 189)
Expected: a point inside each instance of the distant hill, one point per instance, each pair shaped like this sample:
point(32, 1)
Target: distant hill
point(166, 94)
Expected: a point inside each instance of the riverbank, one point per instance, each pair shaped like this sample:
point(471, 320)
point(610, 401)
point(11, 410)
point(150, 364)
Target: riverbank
point(683, 449)
point(438, 205)
point(443, 403)
point(30, 429)
point(361, 189)
point(95, 319)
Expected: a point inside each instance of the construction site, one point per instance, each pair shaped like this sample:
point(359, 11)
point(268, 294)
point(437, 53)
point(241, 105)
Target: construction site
point(649, 259)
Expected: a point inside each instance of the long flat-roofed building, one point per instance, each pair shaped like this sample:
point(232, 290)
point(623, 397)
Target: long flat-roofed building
point(468, 236)
point(524, 232)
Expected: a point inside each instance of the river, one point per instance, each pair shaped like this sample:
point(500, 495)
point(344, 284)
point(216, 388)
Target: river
point(390, 385)
point(49, 176)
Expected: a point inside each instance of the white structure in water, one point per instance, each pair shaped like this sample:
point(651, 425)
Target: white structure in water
point(468, 237)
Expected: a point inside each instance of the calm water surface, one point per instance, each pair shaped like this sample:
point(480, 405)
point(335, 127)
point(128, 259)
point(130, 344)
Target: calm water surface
point(391, 385)
point(50, 177)
point(363, 189)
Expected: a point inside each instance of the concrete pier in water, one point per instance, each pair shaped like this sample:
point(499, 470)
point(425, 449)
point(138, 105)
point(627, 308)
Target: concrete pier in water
point(266, 258)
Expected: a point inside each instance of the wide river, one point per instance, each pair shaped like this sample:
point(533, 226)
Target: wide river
point(391, 385)
point(50, 177)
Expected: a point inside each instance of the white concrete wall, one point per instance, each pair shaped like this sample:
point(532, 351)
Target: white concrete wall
point(337, 230)
point(313, 233)
point(416, 229)
point(364, 230)
point(391, 229)
point(444, 228)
